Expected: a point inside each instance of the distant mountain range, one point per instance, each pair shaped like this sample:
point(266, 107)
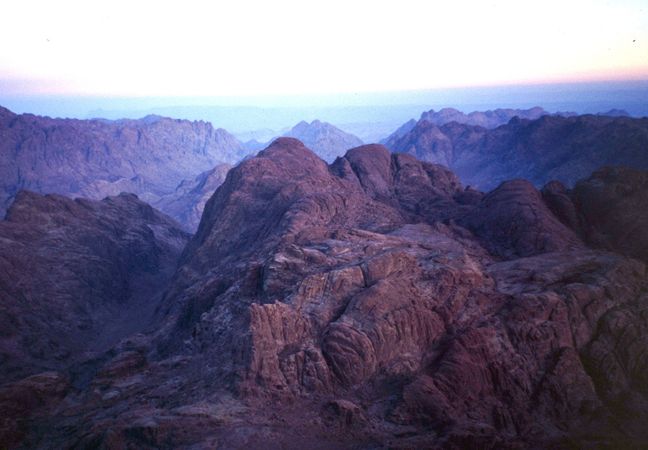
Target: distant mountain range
point(550, 147)
point(326, 140)
point(175, 165)
point(150, 157)
point(486, 119)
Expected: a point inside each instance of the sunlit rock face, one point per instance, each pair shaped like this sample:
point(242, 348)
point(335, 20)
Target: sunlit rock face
point(374, 302)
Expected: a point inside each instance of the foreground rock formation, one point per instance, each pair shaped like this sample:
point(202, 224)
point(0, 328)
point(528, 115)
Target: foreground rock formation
point(374, 302)
point(96, 158)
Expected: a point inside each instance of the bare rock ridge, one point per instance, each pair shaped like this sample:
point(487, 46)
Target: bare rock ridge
point(95, 158)
point(566, 149)
point(378, 298)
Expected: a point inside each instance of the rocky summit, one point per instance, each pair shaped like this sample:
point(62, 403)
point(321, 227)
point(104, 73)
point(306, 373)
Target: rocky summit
point(371, 303)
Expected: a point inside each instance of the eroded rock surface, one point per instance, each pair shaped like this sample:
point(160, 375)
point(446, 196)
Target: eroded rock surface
point(375, 302)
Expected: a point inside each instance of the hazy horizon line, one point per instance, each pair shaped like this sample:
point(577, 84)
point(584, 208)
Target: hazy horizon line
point(641, 78)
point(240, 114)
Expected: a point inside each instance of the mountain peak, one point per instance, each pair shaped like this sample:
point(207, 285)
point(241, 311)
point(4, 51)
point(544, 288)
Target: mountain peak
point(287, 146)
point(6, 114)
point(323, 138)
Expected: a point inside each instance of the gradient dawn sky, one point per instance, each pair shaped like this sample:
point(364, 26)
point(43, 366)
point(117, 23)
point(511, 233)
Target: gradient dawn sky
point(257, 47)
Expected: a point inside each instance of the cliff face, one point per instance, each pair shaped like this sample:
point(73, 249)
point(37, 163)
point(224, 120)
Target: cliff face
point(550, 148)
point(378, 298)
point(96, 158)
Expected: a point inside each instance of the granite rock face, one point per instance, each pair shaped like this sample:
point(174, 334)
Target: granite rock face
point(97, 158)
point(373, 302)
point(566, 149)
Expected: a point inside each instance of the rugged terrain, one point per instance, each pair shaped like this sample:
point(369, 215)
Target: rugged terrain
point(549, 148)
point(96, 158)
point(373, 302)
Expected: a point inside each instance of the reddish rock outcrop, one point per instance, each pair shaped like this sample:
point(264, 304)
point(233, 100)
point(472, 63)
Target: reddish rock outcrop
point(377, 298)
point(410, 317)
point(513, 220)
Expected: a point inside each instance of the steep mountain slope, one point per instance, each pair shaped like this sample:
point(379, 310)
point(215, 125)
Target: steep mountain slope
point(96, 158)
point(324, 139)
point(71, 273)
point(562, 148)
point(400, 132)
point(375, 302)
point(186, 204)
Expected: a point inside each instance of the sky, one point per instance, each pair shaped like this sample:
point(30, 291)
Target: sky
point(285, 47)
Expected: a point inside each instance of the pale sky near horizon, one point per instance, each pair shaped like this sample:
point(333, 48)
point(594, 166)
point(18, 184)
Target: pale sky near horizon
point(253, 47)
